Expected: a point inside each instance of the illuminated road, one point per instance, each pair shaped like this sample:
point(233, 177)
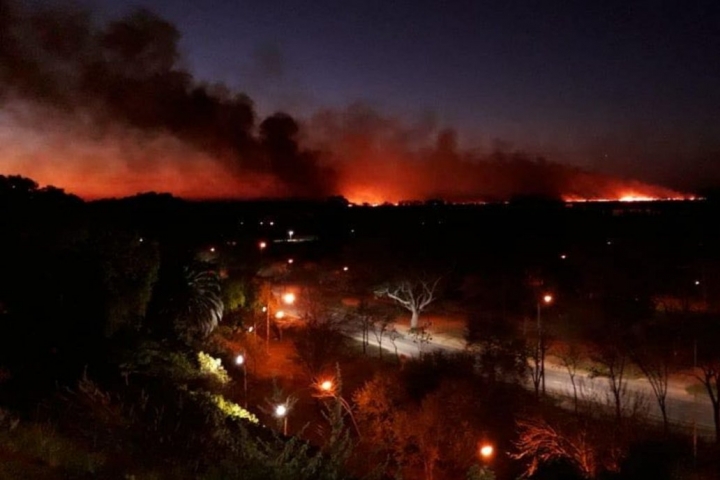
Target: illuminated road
point(682, 407)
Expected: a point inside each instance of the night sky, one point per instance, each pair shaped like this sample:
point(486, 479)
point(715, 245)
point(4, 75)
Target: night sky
point(623, 88)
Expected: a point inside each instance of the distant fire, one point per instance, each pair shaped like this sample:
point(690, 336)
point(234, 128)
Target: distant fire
point(633, 197)
point(145, 123)
point(374, 196)
point(361, 197)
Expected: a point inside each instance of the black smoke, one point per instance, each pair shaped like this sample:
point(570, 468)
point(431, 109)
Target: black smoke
point(399, 162)
point(128, 73)
point(123, 82)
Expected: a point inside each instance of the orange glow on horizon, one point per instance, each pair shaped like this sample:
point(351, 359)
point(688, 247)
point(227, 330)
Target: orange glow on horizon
point(127, 162)
point(124, 163)
point(360, 196)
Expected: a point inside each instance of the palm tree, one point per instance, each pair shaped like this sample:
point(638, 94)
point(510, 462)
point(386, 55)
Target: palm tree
point(191, 302)
point(203, 305)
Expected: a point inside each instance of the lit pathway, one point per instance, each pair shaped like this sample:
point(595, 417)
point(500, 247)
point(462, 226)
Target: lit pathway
point(682, 407)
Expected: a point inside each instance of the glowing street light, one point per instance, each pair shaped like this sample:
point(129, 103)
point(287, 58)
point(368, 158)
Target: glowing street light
point(287, 298)
point(281, 411)
point(547, 300)
point(345, 269)
point(486, 451)
point(262, 245)
point(240, 361)
point(290, 261)
point(327, 388)
point(290, 234)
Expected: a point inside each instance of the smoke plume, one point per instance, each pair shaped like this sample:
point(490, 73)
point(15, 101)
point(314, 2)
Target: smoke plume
point(422, 162)
point(94, 81)
point(108, 109)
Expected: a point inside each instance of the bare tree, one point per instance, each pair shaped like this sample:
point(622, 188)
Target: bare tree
point(655, 363)
point(570, 356)
point(414, 296)
point(611, 362)
point(536, 372)
point(320, 341)
point(499, 350)
point(709, 375)
point(588, 445)
point(393, 335)
point(421, 337)
point(537, 354)
point(707, 365)
point(363, 319)
point(380, 327)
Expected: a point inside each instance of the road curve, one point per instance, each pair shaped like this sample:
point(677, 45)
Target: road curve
point(684, 410)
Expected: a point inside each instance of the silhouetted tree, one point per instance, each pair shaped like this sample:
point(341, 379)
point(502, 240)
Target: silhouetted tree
point(611, 361)
point(653, 353)
point(500, 351)
point(570, 355)
point(708, 371)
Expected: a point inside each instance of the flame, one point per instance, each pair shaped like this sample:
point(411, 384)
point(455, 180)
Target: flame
point(637, 198)
point(634, 197)
point(361, 197)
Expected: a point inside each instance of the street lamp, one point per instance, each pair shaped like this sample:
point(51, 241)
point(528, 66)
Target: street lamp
point(290, 235)
point(327, 388)
point(240, 361)
point(281, 411)
point(262, 245)
point(547, 299)
point(289, 298)
point(486, 451)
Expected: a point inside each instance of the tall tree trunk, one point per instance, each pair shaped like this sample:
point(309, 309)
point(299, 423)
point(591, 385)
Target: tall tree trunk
point(663, 410)
point(414, 319)
point(716, 418)
point(575, 393)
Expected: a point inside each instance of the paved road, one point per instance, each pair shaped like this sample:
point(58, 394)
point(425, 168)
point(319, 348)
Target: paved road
point(683, 408)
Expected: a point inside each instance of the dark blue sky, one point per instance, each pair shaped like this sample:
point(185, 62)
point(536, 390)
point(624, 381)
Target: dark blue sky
point(626, 87)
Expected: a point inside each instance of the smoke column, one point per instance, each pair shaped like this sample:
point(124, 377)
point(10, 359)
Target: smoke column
point(108, 110)
point(120, 88)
